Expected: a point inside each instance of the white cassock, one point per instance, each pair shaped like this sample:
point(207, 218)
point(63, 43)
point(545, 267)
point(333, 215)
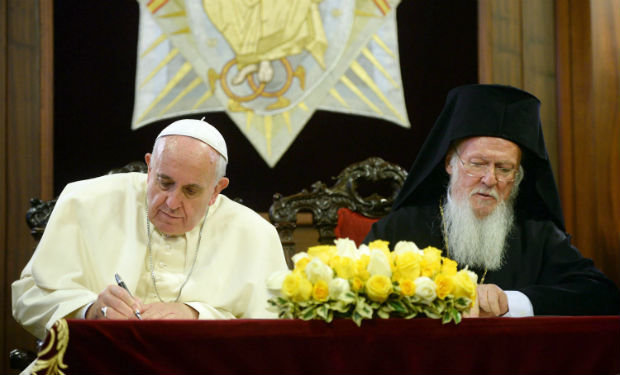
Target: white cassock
point(98, 228)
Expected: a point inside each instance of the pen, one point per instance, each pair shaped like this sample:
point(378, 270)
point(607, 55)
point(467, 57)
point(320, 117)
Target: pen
point(121, 283)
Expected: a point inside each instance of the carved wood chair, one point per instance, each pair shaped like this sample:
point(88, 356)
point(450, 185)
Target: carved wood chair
point(367, 188)
point(37, 217)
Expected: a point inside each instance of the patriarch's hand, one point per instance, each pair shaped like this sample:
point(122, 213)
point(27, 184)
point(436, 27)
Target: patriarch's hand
point(491, 301)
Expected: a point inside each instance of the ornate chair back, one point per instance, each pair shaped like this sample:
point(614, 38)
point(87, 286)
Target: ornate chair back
point(367, 188)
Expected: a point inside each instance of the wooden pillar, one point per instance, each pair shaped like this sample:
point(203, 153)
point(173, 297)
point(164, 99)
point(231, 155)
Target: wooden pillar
point(589, 126)
point(26, 159)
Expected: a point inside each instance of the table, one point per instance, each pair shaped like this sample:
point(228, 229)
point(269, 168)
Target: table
point(566, 345)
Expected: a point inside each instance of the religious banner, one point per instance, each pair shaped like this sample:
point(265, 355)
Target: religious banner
point(269, 64)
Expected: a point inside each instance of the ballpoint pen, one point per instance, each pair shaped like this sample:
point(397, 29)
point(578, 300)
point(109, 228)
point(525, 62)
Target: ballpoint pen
point(121, 283)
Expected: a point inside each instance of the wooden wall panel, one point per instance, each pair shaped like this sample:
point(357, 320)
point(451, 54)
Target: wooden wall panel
point(25, 135)
point(4, 298)
point(500, 44)
point(564, 47)
point(516, 47)
point(567, 54)
point(47, 99)
point(539, 66)
point(605, 21)
point(589, 126)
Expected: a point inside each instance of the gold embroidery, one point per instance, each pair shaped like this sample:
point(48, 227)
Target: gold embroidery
point(58, 336)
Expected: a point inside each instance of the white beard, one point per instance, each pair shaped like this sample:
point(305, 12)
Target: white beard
point(477, 242)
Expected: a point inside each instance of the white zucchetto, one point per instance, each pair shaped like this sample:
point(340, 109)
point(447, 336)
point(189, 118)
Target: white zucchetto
point(200, 130)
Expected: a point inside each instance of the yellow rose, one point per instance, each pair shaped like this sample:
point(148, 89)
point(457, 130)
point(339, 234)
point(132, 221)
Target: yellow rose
point(407, 287)
point(333, 261)
point(357, 284)
point(464, 286)
point(445, 285)
point(301, 264)
point(296, 287)
point(323, 252)
point(448, 267)
point(344, 267)
point(320, 291)
point(378, 288)
point(431, 262)
point(361, 266)
point(379, 245)
point(407, 266)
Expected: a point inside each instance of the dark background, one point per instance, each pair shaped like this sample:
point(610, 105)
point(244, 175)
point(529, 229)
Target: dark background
point(95, 60)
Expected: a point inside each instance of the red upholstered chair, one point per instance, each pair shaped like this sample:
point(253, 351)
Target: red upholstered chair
point(363, 193)
point(353, 225)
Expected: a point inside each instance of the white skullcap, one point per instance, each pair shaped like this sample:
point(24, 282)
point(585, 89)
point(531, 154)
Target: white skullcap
point(200, 130)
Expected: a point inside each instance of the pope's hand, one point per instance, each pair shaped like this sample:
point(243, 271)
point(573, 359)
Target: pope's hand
point(168, 310)
point(114, 303)
point(491, 301)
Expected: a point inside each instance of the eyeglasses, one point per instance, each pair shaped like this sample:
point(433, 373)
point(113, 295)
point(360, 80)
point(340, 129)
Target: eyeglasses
point(480, 169)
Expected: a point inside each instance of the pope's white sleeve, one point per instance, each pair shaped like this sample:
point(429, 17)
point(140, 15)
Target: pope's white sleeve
point(81, 313)
point(209, 312)
point(519, 306)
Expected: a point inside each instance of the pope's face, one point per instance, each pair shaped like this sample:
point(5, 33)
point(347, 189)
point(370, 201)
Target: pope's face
point(181, 183)
point(486, 192)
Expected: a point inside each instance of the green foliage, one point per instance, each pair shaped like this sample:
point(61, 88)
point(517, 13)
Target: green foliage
point(357, 306)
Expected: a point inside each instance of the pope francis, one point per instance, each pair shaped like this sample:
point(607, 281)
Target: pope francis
point(184, 250)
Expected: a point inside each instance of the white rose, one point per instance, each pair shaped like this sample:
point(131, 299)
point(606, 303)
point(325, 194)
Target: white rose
point(379, 264)
point(338, 287)
point(425, 289)
point(363, 250)
point(275, 280)
point(405, 246)
point(317, 270)
point(346, 247)
point(299, 256)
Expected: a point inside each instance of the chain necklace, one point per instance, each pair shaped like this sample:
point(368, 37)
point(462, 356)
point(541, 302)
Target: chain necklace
point(148, 231)
point(445, 237)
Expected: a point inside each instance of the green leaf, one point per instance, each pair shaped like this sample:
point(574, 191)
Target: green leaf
point(330, 316)
point(431, 314)
point(457, 316)
point(308, 313)
point(357, 319)
point(322, 311)
point(397, 306)
point(340, 306)
point(446, 318)
point(383, 314)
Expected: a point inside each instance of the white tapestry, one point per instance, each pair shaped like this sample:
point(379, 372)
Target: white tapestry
point(269, 64)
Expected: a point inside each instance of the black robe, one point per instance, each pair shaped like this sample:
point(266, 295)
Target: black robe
point(540, 260)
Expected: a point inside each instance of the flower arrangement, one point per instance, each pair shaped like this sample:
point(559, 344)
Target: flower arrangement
point(344, 281)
